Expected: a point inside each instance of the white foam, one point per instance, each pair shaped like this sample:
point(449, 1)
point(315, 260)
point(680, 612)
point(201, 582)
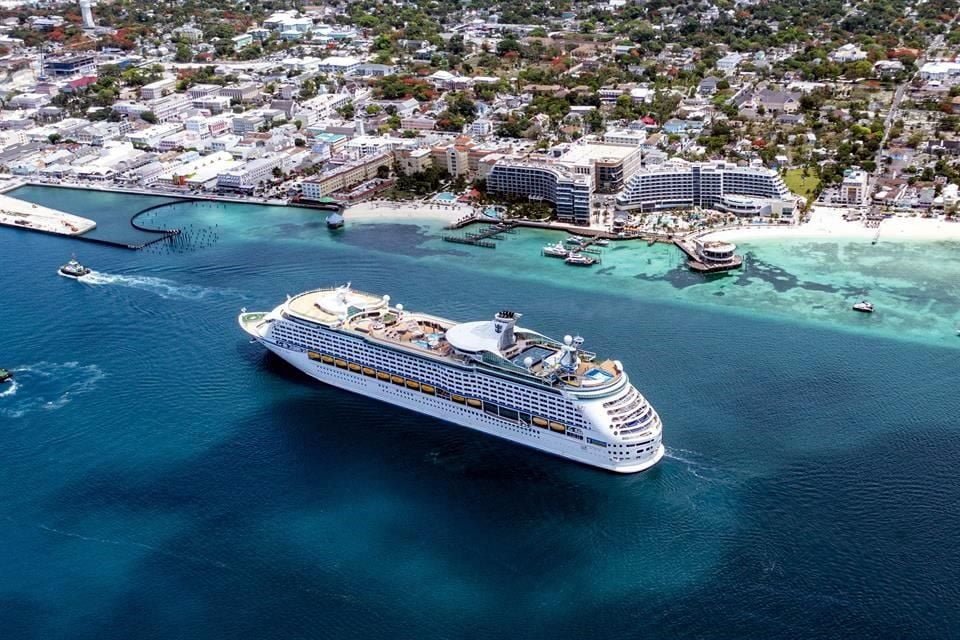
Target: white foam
point(9, 389)
point(48, 386)
point(164, 288)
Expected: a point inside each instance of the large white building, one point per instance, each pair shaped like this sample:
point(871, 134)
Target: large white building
point(250, 175)
point(339, 64)
point(567, 191)
point(677, 184)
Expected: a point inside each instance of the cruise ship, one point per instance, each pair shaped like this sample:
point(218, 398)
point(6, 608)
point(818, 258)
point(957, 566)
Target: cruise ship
point(490, 375)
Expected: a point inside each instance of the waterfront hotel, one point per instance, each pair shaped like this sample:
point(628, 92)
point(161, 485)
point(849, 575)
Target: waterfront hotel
point(678, 184)
point(567, 191)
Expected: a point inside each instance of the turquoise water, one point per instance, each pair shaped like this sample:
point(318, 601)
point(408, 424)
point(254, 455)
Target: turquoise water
point(161, 477)
point(445, 196)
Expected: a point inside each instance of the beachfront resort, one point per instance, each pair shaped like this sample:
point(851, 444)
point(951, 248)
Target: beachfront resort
point(310, 108)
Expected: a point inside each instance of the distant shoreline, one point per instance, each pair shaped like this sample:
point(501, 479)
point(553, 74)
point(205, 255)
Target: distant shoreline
point(827, 223)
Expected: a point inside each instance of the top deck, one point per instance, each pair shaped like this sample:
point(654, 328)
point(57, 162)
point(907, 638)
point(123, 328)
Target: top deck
point(530, 353)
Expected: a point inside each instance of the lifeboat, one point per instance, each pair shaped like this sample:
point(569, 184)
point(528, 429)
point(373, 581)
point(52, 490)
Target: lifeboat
point(313, 355)
point(413, 384)
point(340, 363)
point(458, 399)
point(426, 388)
point(540, 422)
point(473, 402)
point(326, 359)
point(367, 371)
point(353, 366)
point(396, 379)
point(383, 375)
point(556, 426)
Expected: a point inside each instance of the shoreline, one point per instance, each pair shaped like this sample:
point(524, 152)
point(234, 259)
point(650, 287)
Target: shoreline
point(827, 223)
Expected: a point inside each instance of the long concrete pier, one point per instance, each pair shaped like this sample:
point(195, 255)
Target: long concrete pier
point(26, 215)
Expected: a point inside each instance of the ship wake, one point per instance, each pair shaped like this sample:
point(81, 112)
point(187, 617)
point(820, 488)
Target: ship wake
point(47, 386)
point(167, 289)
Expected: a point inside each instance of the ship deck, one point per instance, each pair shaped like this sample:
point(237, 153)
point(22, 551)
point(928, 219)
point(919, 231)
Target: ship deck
point(371, 316)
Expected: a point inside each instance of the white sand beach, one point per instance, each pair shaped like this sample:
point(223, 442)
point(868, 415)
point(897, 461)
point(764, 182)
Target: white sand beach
point(386, 210)
point(828, 223)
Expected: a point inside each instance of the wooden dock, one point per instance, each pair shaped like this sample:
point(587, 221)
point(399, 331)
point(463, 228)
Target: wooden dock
point(485, 237)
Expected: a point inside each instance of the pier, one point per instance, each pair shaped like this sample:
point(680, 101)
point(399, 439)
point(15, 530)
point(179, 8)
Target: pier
point(484, 238)
point(710, 256)
point(34, 217)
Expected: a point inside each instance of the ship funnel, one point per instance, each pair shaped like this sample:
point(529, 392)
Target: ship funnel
point(503, 324)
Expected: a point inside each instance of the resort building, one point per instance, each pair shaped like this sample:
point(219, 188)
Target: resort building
point(567, 191)
point(345, 175)
point(608, 165)
point(677, 184)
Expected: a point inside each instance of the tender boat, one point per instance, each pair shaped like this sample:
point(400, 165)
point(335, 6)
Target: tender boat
point(73, 269)
point(5, 375)
point(601, 242)
point(555, 250)
point(863, 306)
point(579, 260)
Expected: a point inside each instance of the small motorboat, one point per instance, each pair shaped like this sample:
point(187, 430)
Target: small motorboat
point(5, 376)
point(579, 260)
point(555, 250)
point(73, 269)
point(863, 307)
point(601, 242)
point(576, 240)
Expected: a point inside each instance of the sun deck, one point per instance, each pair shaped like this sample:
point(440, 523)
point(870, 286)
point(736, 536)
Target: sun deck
point(373, 317)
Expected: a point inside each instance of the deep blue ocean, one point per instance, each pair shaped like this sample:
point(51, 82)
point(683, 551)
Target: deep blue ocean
point(160, 477)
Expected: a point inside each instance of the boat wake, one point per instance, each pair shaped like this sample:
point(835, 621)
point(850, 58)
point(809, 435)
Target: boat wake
point(9, 389)
point(698, 466)
point(167, 289)
point(47, 386)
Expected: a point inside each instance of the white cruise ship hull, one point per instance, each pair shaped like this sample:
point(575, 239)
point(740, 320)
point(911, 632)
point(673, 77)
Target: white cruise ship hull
point(474, 418)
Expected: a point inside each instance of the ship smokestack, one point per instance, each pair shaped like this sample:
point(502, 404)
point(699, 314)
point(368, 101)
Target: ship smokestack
point(503, 324)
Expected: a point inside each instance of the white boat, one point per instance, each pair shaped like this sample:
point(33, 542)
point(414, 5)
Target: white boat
point(579, 260)
point(863, 306)
point(601, 242)
point(489, 375)
point(556, 250)
point(73, 269)
point(575, 240)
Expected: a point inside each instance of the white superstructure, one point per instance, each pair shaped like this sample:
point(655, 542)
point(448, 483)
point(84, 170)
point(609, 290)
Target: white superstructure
point(493, 376)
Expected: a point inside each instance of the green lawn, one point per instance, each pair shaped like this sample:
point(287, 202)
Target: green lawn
point(804, 186)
